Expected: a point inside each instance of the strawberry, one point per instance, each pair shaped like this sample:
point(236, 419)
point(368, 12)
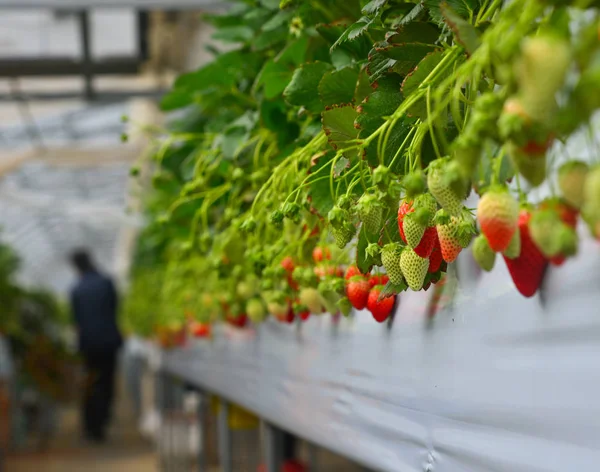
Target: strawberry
point(404, 209)
point(277, 309)
point(413, 230)
point(514, 247)
point(427, 243)
point(357, 291)
point(343, 234)
point(239, 321)
point(255, 310)
point(483, 253)
point(571, 181)
point(311, 299)
point(540, 73)
point(530, 161)
point(591, 201)
point(419, 218)
point(527, 270)
point(378, 279)
point(380, 309)
point(304, 315)
point(320, 253)
point(351, 271)
point(370, 212)
point(449, 240)
point(498, 213)
point(200, 330)
point(288, 264)
point(443, 185)
point(545, 230)
point(436, 258)
point(414, 268)
point(390, 257)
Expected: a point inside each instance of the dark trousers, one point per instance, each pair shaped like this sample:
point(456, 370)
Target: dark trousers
point(99, 392)
point(289, 446)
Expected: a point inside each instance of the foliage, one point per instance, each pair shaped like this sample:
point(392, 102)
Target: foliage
point(327, 116)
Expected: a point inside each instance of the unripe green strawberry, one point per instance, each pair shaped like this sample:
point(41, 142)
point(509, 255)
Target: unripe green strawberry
point(311, 299)
point(277, 309)
point(255, 310)
point(545, 231)
point(530, 166)
point(513, 249)
point(414, 268)
point(413, 230)
point(498, 215)
point(466, 229)
point(483, 254)
point(541, 72)
point(571, 181)
point(441, 187)
point(390, 257)
point(425, 208)
point(370, 212)
point(343, 234)
point(569, 242)
point(591, 196)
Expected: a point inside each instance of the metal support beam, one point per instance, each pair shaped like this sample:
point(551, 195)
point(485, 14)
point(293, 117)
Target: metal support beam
point(86, 54)
point(273, 448)
point(201, 414)
point(224, 438)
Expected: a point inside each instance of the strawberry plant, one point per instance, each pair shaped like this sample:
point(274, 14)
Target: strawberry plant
point(332, 132)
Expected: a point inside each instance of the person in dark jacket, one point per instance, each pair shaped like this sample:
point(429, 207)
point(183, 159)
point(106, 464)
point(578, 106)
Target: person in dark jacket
point(94, 305)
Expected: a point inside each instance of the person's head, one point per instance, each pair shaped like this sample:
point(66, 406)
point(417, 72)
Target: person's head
point(82, 261)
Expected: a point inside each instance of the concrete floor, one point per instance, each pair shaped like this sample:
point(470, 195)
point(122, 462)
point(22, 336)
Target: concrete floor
point(125, 450)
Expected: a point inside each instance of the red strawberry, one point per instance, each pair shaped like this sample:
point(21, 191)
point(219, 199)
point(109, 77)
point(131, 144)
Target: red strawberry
point(238, 321)
point(435, 259)
point(449, 239)
point(200, 330)
point(304, 315)
point(380, 309)
point(288, 264)
point(351, 271)
point(405, 208)
point(321, 253)
point(498, 214)
point(378, 279)
point(527, 270)
point(427, 243)
point(357, 291)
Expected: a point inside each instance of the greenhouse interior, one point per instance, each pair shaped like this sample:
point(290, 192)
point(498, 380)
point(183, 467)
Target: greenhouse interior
point(299, 235)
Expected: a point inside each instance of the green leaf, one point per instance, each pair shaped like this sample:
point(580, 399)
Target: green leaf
point(373, 7)
point(294, 53)
point(358, 47)
point(338, 123)
point(268, 38)
point(176, 99)
point(416, 12)
point(415, 32)
point(464, 32)
point(363, 262)
point(379, 65)
point(303, 90)
point(353, 31)
point(318, 190)
point(337, 87)
point(407, 55)
point(417, 77)
point(340, 165)
point(363, 86)
point(464, 8)
point(372, 112)
point(234, 34)
point(277, 20)
point(274, 78)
